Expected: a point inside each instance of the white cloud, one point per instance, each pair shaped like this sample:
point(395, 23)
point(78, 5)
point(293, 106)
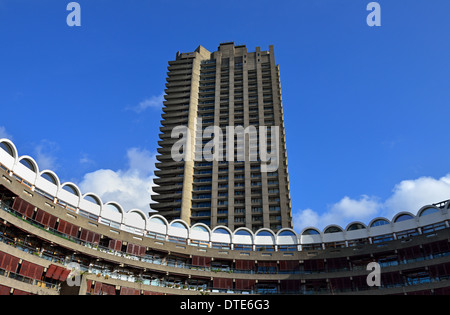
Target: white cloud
point(411, 195)
point(4, 134)
point(341, 213)
point(86, 160)
point(151, 102)
point(44, 154)
point(408, 195)
point(131, 187)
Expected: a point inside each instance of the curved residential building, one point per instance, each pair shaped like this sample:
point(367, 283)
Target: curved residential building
point(56, 239)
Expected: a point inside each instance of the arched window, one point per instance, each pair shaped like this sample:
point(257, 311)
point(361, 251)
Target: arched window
point(50, 178)
point(178, 225)
point(221, 231)
point(311, 232)
point(136, 219)
point(92, 199)
point(112, 208)
point(332, 229)
point(5, 146)
point(428, 211)
point(199, 228)
point(157, 220)
point(27, 163)
point(69, 188)
point(403, 217)
point(379, 222)
point(243, 233)
point(265, 233)
point(287, 233)
point(356, 226)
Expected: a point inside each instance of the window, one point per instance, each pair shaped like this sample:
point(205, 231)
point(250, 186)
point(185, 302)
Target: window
point(333, 229)
point(311, 232)
point(403, 217)
point(356, 226)
point(428, 211)
point(28, 164)
point(379, 222)
point(70, 189)
point(5, 146)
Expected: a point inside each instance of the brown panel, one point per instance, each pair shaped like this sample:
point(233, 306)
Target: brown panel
point(64, 275)
point(23, 207)
point(4, 290)
point(8, 262)
point(245, 284)
point(223, 283)
point(50, 271)
point(245, 264)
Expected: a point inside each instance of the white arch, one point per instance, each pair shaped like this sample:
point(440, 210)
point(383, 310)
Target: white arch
point(247, 239)
point(139, 222)
point(111, 214)
point(264, 239)
point(74, 187)
point(89, 206)
point(201, 232)
point(51, 175)
point(310, 228)
point(69, 197)
point(310, 239)
point(221, 237)
point(332, 226)
point(24, 172)
point(378, 219)
point(421, 210)
point(183, 231)
point(291, 239)
point(157, 224)
point(50, 188)
point(5, 158)
point(96, 197)
point(394, 219)
point(353, 223)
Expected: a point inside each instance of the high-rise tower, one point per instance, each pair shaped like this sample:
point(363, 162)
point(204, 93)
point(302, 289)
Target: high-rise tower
point(227, 88)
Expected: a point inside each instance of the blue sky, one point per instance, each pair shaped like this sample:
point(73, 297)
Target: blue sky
point(366, 108)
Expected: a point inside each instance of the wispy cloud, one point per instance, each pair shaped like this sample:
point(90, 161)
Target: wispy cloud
point(151, 102)
point(408, 195)
point(4, 134)
point(86, 160)
point(45, 154)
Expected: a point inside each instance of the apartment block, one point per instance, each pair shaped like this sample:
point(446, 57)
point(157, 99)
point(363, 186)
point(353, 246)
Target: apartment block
point(230, 87)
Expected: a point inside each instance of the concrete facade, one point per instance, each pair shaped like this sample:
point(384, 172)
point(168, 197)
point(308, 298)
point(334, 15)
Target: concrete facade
point(228, 87)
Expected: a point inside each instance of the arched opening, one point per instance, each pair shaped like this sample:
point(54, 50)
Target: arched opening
point(332, 229)
point(379, 222)
point(71, 189)
point(356, 226)
point(28, 164)
point(7, 147)
point(428, 211)
point(49, 177)
point(403, 217)
point(311, 232)
point(93, 199)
